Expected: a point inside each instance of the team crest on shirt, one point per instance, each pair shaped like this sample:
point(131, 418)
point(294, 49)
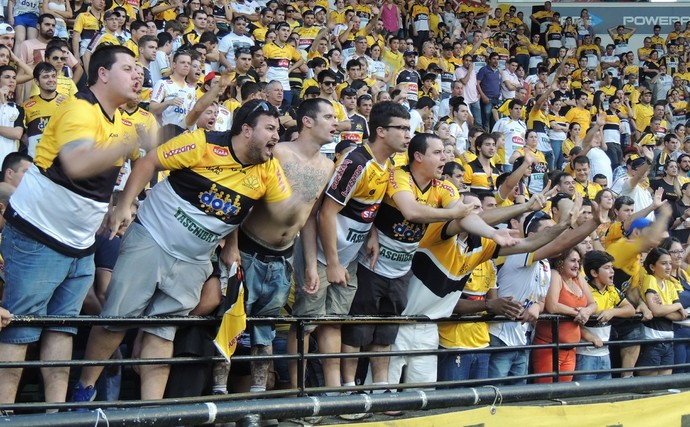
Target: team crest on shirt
point(219, 203)
point(251, 182)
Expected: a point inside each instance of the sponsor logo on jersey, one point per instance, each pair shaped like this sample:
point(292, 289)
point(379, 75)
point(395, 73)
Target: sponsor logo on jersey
point(356, 236)
point(393, 255)
point(221, 151)
point(179, 150)
point(195, 227)
point(126, 122)
point(408, 232)
point(29, 104)
point(219, 203)
point(369, 213)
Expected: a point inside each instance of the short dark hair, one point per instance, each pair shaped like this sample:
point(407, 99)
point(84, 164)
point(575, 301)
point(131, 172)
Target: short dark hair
point(42, 17)
point(249, 88)
point(594, 260)
point(7, 68)
point(105, 57)
point(198, 12)
point(419, 144)
point(249, 114)
point(12, 161)
point(163, 38)
point(309, 108)
point(326, 73)
point(382, 113)
point(208, 37)
point(137, 24)
point(43, 67)
point(581, 160)
point(479, 141)
point(450, 168)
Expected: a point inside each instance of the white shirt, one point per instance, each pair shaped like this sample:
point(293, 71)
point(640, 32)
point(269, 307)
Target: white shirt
point(232, 41)
point(461, 135)
point(600, 163)
point(160, 64)
point(167, 89)
point(507, 76)
point(514, 131)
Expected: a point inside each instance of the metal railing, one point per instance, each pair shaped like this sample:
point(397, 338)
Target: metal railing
point(283, 404)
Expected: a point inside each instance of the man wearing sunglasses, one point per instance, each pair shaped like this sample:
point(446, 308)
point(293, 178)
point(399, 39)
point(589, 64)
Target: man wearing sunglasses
point(178, 227)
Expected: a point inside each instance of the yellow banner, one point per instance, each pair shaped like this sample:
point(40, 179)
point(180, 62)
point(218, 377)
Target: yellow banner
point(669, 410)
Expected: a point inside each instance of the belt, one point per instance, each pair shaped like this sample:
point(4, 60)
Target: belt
point(268, 258)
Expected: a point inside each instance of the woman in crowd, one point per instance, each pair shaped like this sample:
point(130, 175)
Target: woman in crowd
point(568, 294)
point(680, 278)
point(661, 295)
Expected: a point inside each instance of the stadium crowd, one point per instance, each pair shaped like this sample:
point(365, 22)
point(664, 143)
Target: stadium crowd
point(356, 157)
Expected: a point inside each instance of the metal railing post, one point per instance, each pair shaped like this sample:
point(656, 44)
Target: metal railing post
point(555, 350)
point(300, 358)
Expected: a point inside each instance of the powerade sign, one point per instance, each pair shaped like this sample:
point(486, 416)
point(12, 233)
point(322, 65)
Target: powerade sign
point(644, 17)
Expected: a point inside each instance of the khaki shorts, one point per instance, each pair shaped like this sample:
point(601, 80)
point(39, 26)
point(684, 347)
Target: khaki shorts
point(329, 300)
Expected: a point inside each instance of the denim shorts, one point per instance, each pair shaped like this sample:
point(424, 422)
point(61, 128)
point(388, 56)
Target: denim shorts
point(40, 281)
point(656, 354)
point(268, 286)
point(586, 362)
point(28, 20)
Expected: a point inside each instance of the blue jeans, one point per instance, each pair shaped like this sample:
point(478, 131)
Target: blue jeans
point(549, 160)
point(507, 363)
point(557, 147)
point(488, 118)
point(268, 286)
point(592, 363)
point(40, 281)
point(681, 350)
point(476, 110)
point(457, 367)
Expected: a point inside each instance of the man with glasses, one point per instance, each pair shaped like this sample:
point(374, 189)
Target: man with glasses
point(107, 36)
point(56, 56)
point(351, 203)
point(177, 228)
point(231, 42)
point(327, 83)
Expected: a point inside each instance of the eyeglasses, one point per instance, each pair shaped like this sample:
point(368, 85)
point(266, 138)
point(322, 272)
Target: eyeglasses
point(290, 11)
point(399, 127)
point(678, 252)
point(59, 58)
point(328, 83)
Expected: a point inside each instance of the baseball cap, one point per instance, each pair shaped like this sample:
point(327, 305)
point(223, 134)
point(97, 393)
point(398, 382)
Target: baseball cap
point(109, 13)
point(638, 224)
point(410, 53)
point(210, 76)
point(6, 29)
point(318, 9)
point(429, 76)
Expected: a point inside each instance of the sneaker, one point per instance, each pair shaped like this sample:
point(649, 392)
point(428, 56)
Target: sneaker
point(83, 394)
point(357, 416)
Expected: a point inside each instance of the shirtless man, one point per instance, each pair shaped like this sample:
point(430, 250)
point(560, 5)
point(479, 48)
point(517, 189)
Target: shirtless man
point(266, 239)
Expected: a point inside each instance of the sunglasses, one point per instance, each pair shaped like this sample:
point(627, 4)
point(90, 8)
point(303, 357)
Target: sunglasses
point(328, 83)
point(538, 216)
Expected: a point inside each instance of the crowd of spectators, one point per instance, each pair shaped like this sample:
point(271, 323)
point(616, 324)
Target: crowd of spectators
point(354, 157)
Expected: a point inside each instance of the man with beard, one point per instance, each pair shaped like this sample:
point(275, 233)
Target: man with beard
point(40, 108)
point(165, 255)
point(266, 240)
point(77, 164)
point(409, 78)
